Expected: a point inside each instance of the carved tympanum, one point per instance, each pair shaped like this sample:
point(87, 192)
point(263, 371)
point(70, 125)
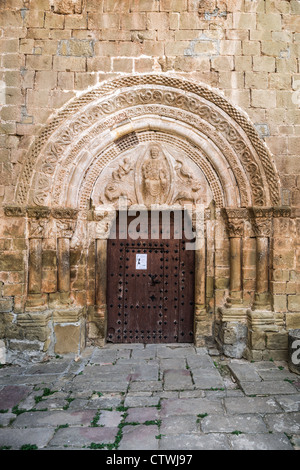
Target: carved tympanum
point(150, 174)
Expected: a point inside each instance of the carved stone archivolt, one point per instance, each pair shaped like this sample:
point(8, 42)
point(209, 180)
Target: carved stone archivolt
point(55, 148)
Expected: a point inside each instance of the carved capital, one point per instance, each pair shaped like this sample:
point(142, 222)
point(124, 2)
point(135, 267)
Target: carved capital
point(37, 228)
point(262, 227)
point(65, 228)
point(234, 219)
point(262, 222)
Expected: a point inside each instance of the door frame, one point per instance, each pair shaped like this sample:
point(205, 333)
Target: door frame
point(101, 242)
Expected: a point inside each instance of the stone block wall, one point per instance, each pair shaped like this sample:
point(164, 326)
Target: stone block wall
point(53, 50)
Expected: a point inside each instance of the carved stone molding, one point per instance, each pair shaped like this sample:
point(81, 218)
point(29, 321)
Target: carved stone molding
point(282, 212)
point(14, 211)
point(38, 212)
point(160, 89)
point(64, 213)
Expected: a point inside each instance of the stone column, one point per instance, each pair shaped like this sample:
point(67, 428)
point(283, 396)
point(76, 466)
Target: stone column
point(262, 228)
point(235, 219)
point(101, 273)
point(35, 266)
point(65, 229)
point(233, 332)
point(203, 325)
point(261, 321)
point(68, 313)
point(97, 317)
point(35, 298)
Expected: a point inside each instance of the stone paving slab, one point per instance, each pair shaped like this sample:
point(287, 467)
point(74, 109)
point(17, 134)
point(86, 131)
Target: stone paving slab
point(177, 379)
point(16, 438)
point(244, 372)
point(260, 442)
point(288, 422)
point(84, 436)
point(233, 423)
point(140, 401)
point(110, 418)
point(200, 362)
point(43, 419)
point(143, 386)
point(184, 423)
point(48, 368)
point(11, 395)
point(242, 405)
point(289, 402)
point(195, 441)
point(140, 437)
point(207, 379)
point(269, 387)
point(190, 406)
point(174, 363)
point(276, 374)
point(104, 402)
point(142, 414)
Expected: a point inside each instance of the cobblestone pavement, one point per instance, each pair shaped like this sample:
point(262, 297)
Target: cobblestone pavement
point(153, 397)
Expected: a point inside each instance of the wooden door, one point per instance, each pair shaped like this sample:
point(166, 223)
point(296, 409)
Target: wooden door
point(150, 289)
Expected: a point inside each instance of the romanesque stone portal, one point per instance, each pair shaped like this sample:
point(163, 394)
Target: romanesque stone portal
point(114, 107)
point(141, 142)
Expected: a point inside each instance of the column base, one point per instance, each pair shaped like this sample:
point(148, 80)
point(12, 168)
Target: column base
point(97, 325)
point(262, 302)
point(267, 338)
point(233, 331)
point(203, 327)
point(36, 302)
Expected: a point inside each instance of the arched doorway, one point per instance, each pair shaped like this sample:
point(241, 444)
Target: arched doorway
point(92, 155)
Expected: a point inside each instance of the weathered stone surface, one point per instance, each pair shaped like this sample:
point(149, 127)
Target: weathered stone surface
point(80, 437)
point(241, 405)
point(210, 441)
point(267, 387)
point(67, 338)
point(278, 441)
point(72, 411)
point(289, 423)
point(11, 395)
point(244, 372)
point(16, 438)
point(139, 438)
point(229, 424)
point(191, 406)
point(44, 419)
point(177, 379)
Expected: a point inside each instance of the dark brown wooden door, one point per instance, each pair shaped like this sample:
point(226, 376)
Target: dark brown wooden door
point(150, 290)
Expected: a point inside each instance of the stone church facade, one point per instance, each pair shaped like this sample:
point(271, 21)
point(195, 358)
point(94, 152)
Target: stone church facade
point(112, 108)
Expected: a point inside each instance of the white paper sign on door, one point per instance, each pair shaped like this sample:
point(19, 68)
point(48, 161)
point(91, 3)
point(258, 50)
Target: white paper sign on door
point(141, 261)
